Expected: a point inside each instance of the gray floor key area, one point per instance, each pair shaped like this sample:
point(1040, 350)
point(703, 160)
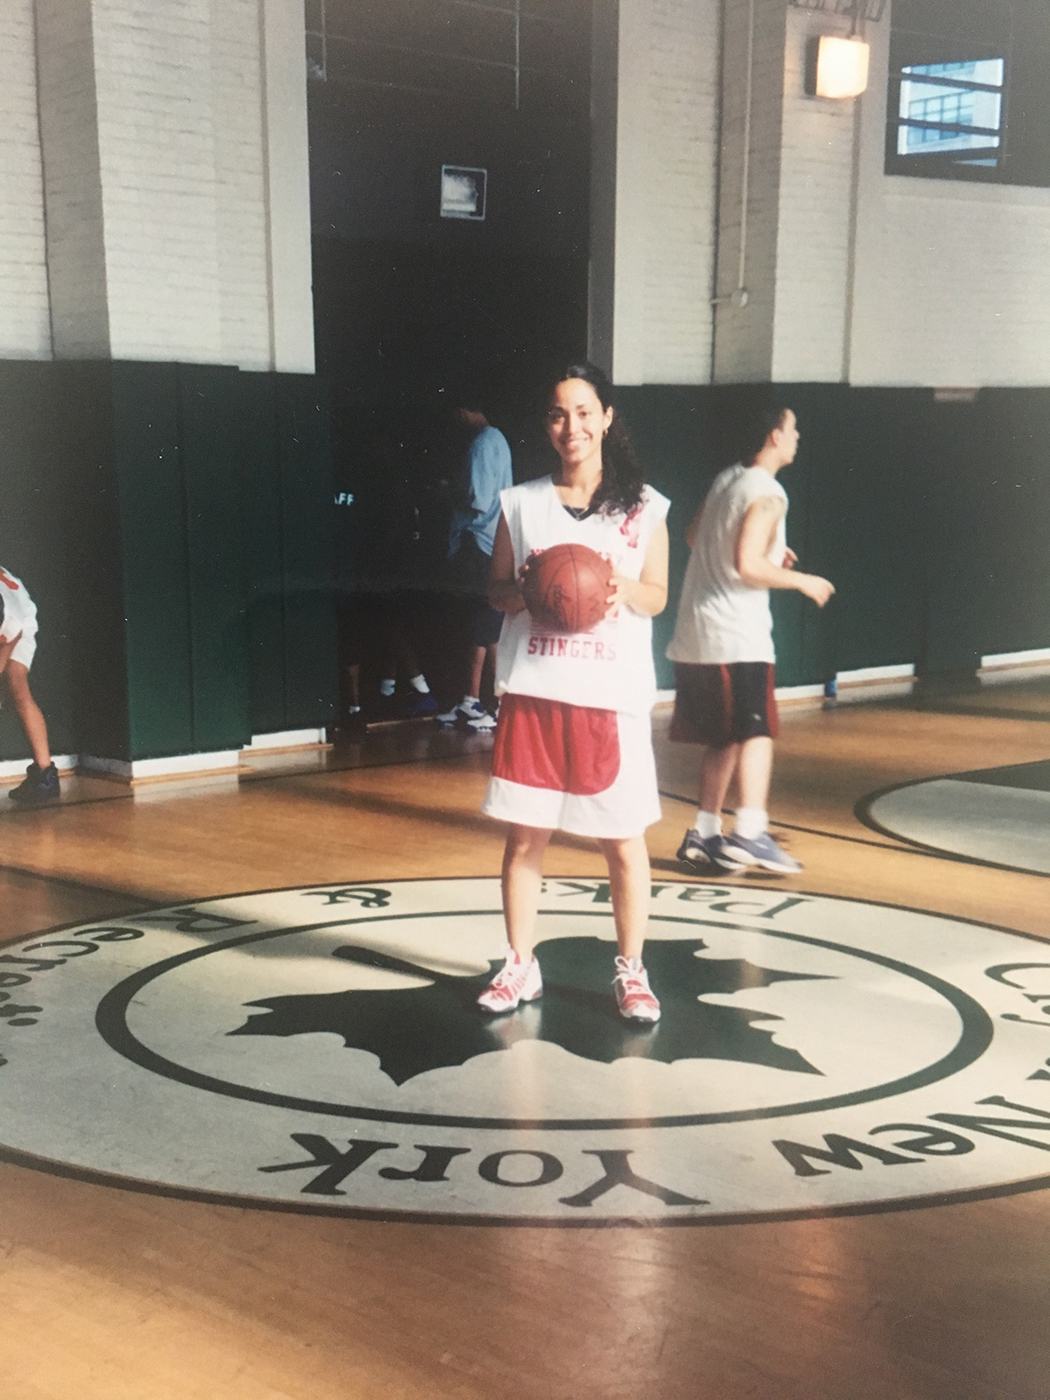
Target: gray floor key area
point(997, 815)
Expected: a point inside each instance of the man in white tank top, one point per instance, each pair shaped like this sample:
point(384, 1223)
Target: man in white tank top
point(723, 649)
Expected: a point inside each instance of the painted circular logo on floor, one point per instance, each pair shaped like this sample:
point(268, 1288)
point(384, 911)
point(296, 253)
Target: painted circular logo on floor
point(321, 1048)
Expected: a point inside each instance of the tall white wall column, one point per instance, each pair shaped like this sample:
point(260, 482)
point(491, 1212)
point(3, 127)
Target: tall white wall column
point(654, 170)
point(175, 184)
point(786, 213)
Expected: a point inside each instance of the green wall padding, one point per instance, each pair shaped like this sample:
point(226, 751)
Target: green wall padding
point(174, 525)
point(932, 519)
point(53, 434)
point(142, 503)
point(256, 408)
point(215, 481)
point(154, 556)
point(308, 546)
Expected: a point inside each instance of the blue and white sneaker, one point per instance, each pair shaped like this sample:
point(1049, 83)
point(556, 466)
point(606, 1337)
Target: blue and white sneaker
point(706, 851)
point(470, 711)
point(763, 851)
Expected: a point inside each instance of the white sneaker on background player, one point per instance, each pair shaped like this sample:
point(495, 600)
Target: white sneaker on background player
point(473, 712)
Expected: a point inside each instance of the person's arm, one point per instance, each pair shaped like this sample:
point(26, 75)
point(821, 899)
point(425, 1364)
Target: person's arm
point(648, 593)
point(504, 584)
point(758, 530)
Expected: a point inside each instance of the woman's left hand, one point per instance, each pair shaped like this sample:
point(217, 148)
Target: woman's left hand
point(620, 594)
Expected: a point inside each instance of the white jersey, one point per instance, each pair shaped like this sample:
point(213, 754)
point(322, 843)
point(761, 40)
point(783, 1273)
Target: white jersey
point(19, 610)
point(19, 617)
point(721, 619)
point(610, 667)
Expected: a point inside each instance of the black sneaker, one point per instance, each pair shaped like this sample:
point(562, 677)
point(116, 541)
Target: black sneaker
point(353, 725)
point(706, 851)
point(38, 785)
point(421, 706)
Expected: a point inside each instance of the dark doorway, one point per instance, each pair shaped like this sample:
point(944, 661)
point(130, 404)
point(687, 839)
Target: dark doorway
point(417, 309)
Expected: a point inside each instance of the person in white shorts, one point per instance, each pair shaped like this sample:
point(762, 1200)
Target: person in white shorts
point(573, 747)
point(723, 648)
point(17, 649)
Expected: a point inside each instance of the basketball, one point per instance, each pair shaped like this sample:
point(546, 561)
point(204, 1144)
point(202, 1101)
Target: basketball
point(566, 587)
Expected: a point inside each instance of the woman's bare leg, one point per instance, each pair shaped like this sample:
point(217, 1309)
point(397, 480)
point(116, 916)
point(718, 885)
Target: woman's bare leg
point(630, 884)
point(522, 877)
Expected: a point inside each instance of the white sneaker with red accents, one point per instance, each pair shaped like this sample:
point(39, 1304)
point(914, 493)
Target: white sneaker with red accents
point(516, 981)
point(633, 995)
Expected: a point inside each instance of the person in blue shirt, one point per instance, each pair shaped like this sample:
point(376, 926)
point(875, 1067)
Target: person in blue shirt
point(472, 533)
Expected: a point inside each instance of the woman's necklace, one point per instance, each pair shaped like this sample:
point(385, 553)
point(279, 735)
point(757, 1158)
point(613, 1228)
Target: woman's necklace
point(580, 512)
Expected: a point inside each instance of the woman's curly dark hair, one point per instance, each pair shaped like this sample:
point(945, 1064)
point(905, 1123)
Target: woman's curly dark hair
point(622, 483)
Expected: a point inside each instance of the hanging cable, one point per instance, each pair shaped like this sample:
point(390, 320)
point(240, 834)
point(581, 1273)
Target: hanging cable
point(740, 295)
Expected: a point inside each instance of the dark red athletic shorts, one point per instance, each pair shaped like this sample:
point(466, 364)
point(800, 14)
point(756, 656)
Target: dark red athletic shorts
point(551, 744)
point(722, 705)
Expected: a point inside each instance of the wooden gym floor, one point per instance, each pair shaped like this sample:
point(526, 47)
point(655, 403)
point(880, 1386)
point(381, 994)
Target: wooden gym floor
point(106, 1294)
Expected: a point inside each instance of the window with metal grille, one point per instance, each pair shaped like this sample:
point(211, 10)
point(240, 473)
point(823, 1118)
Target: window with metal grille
point(949, 64)
point(952, 107)
point(968, 93)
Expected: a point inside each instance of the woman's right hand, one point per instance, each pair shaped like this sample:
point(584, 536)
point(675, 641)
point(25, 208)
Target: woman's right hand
point(515, 600)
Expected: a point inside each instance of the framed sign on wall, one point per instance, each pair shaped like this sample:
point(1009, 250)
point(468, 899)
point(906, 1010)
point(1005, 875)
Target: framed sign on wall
point(463, 192)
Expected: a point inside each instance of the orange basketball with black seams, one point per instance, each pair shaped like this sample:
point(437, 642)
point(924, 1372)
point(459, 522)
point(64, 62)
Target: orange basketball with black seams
point(567, 587)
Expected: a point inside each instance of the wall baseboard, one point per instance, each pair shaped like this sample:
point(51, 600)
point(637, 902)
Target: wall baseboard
point(873, 674)
point(287, 741)
point(185, 765)
point(1006, 660)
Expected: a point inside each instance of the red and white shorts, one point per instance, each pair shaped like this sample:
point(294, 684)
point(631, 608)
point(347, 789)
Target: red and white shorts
point(572, 768)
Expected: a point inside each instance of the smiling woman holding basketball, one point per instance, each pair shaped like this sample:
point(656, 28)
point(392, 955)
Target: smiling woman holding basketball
point(574, 748)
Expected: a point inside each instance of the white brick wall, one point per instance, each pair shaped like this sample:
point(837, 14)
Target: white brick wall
point(175, 172)
point(174, 164)
point(854, 274)
point(798, 258)
point(744, 334)
point(240, 183)
point(682, 122)
point(660, 218)
point(814, 234)
point(25, 325)
point(956, 287)
point(286, 142)
point(72, 186)
point(952, 279)
point(156, 132)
